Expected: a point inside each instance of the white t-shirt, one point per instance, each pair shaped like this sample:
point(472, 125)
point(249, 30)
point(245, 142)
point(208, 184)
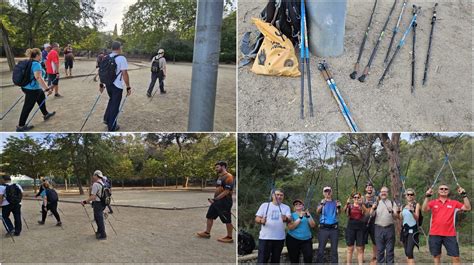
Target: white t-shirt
point(2, 192)
point(97, 190)
point(122, 65)
point(274, 228)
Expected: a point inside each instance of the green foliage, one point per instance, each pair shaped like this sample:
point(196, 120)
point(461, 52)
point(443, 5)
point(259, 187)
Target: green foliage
point(228, 38)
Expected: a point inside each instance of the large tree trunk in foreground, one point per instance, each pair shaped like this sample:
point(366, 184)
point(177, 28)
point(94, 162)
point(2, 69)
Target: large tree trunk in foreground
point(7, 48)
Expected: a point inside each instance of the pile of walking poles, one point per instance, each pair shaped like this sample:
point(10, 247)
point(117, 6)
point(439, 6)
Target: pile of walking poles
point(389, 61)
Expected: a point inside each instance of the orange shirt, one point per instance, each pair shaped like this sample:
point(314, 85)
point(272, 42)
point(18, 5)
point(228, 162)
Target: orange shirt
point(224, 182)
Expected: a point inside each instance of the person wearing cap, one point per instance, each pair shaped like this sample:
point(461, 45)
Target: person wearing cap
point(9, 207)
point(44, 55)
point(370, 198)
point(410, 216)
point(384, 211)
point(328, 225)
point(221, 204)
point(158, 71)
point(94, 197)
point(299, 236)
point(52, 69)
point(108, 184)
point(442, 228)
point(356, 227)
point(272, 216)
point(115, 90)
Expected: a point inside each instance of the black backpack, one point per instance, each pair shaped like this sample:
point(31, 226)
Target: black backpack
point(13, 194)
point(107, 69)
point(21, 73)
point(106, 197)
point(52, 196)
point(246, 243)
point(420, 217)
point(285, 15)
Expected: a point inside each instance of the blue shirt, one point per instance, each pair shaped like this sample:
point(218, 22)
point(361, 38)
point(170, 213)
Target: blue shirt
point(44, 55)
point(328, 213)
point(35, 67)
point(408, 218)
point(302, 231)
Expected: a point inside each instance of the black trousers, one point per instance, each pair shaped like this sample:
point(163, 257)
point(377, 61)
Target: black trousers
point(269, 250)
point(32, 97)
point(99, 218)
point(296, 246)
point(115, 97)
point(16, 211)
point(325, 235)
point(155, 76)
point(53, 207)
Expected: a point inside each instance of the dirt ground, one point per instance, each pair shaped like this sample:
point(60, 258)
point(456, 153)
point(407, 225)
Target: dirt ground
point(168, 112)
point(273, 103)
point(143, 235)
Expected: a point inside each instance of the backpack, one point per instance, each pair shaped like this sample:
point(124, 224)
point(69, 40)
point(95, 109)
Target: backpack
point(21, 73)
point(99, 59)
point(155, 65)
point(52, 196)
point(13, 194)
point(246, 243)
point(107, 69)
point(106, 197)
point(420, 216)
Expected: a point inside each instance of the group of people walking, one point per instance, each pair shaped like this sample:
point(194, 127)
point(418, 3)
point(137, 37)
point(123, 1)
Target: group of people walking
point(111, 68)
point(369, 215)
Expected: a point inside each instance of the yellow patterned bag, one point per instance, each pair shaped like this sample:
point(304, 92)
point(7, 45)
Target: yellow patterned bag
point(276, 55)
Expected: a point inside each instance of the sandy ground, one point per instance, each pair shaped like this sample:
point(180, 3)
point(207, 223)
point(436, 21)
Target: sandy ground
point(166, 112)
point(143, 235)
point(273, 103)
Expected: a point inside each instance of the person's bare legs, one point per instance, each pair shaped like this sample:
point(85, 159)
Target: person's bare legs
point(373, 261)
point(437, 260)
point(350, 251)
point(411, 261)
point(209, 225)
point(360, 255)
point(229, 228)
point(456, 260)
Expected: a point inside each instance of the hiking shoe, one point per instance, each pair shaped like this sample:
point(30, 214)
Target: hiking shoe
point(163, 92)
point(104, 122)
point(226, 240)
point(203, 234)
point(59, 224)
point(24, 128)
point(58, 95)
point(49, 115)
point(111, 212)
point(148, 95)
point(40, 222)
point(11, 233)
point(102, 238)
point(115, 129)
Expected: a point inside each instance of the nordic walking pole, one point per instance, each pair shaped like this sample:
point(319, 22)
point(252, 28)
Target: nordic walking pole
point(106, 216)
point(120, 110)
point(5, 225)
point(87, 76)
point(413, 55)
point(90, 112)
point(361, 49)
point(89, 218)
point(395, 31)
point(400, 44)
point(14, 104)
point(379, 40)
point(113, 200)
point(24, 220)
point(302, 53)
point(306, 51)
point(427, 63)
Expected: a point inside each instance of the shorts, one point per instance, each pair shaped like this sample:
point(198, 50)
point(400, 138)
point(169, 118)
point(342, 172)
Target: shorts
point(221, 208)
point(53, 79)
point(370, 231)
point(355, 233)
point(449, 242)
point(68, 64)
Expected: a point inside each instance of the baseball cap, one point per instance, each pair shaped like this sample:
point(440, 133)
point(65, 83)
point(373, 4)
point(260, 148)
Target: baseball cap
point(98, 173)
point(327, 188)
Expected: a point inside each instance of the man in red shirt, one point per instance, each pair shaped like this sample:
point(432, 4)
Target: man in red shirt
point(443, 214)
point(52, 68)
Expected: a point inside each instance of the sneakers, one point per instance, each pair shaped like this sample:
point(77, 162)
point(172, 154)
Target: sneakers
point(163, 92)
point(203, 234)
point(49, 115)
point(24, 128)
point(59, 224)
point(40, 222)
point(148, 95)
point(226, 239)
point(115, 129)
point(58, 95)
point(102, 238)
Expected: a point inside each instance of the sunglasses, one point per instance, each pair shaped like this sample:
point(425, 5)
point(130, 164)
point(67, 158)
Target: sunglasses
point(410, 194)
point(356, 197)
point(443, 189)
point(327, 191)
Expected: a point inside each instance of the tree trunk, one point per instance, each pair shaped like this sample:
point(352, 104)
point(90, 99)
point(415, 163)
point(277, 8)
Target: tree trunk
point(185, 184)
point(202, 184)
point(7, 48)
point(123, 184)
